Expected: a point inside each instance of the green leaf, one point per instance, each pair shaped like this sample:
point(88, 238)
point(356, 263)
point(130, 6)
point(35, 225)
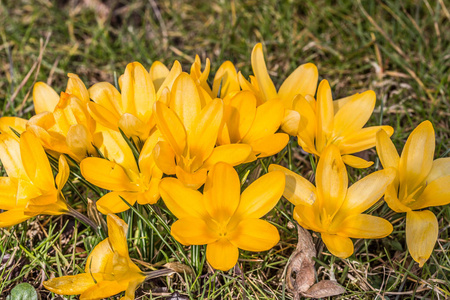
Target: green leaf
point(23, 291)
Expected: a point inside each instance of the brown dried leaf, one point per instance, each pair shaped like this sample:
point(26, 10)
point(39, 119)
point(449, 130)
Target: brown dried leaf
point(324, 288)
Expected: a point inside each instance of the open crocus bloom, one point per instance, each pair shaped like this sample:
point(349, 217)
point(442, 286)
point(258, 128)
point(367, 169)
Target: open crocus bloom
point(131, 109)
point(324, 122)
point(222, 218)
point(189, 128)
point(120, 173)
point(420, 183)
point(18, 124)
point(109, 269)
point(336, 210)
point(29, 190)
point(302, 81)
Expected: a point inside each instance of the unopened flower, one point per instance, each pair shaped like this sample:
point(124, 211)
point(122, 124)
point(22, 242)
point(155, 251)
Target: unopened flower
point(420, 183)
point(222, 217)
point(334, 209)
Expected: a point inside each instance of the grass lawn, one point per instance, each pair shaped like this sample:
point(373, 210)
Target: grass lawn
point(399, 49)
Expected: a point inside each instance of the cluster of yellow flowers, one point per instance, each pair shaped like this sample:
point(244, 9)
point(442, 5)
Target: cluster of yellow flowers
point(173, 123)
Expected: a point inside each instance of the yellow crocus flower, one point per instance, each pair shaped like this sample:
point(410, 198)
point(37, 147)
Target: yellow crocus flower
point(30, 189)
point(222, 217)
point(132, 109)
point(420, 183)
point(302, 81)
point(190, 128)
point(16, 123)
point(324, 122)
point(120, 173)
point(332, 208)
point(109, 269)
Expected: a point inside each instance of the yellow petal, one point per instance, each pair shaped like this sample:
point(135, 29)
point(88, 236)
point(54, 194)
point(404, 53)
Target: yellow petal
point(356, 162)
point(146, 158)
point(325, 114)
point(339, 103)
point(18, 124)
point(170, 79)
point(270, 144)
point(171, 128)
point(183, 202)
point(99, 260)
point(331, 180)
point(298, 190)
point(77, 88)
point(151, 195)
point(44, 97)
point(386, 150)
point(193, 180)
point(117, 230)
point(308, 216)
point(35, 162)
point(13, 217)
point(72, 285)
point(364, 226)
point(106, 174)
point(63, 173)
point(302, 81)
point(421, 234)
point(79, 141)
point(233, 154)
point(165, 157)
point(291, 121)
point(205, 128)
point(185, 101)
point(104, 289)
point(239, 114)
point(113, 202)
point(440, 168)
point(436, 193)
point(346, 121)
point(417, 157)
point(133, 126)
point(226, 79)
point(108, 97)
point(257, 200)
point(222, 192)
point(222, 255)
point(267, 120)
point(138, 92)
point(339, 246)
point(260, 70)
point(103, 116)
point(8, 193)
point(254, 235)
point(158, 72)
point(10, 157)
point(193, 231)
point(308, 121)
point(362, 139)
point(247, 86)
point(391, 198)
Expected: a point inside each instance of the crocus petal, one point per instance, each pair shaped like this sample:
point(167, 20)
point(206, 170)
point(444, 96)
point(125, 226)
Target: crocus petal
point(386, 150)
point(104, 289)
point(151, 195)
point(270, 145)
point(79, 141)
point(222, 255)
point(114, 202)
point(260, 70)
point(171, 127)
point(233, 154)
point(222, 192)
point(193, 231)
point(99, 259)
point(106, 174)
point(63, 172)
point(391, 198)
point(77, 88)
point(302, 81)
point(35, 162)
point(356, 162)
point(364, 193)
point(308, 217)
point(239, 113)
point(291, 121)
point(331, 180)
point(10, 157)
point(226, 79)
point(18, 124)
point(421, 234)
point(247, 86)
point(254, 235)
point(257, 199)
point(133, 126)
point(362, 139)
point(164, 157)
point(440, 168)
point(131, 289)
point(364, 226)
point(308, 121)
point(417, 157)
point(338, 245)
point(205, 128)
point(8, 193)
point(103, 116)
point(44, 97)
point(117, 230)
point(183, 202)
point(13, 217)
point(298, 190)
point(146, 158)
point(192, 180)
point(436, 193)
point(267, 120)
point(170, 79)
point(108, 97)
point(158, 72)
point(185, 101)
point(325, 114)
point(346, 121)
point(73, 285)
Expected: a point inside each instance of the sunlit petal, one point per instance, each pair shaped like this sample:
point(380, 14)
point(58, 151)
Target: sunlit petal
point(291, 121)
point(254, 235)
point(170, 79)
point(117, 230)
point(77, 88)
point(436, 193)
point(171, 127)
point(364, 227)
point(226, 79)
point(222, 255)
point(260, 70)
point(421, 234)
point(356, 162)
point(239, 113)
point(325, 114)
point(114, 202)
point(302, 81)
point(193, 231)
point(18, 124)
point(73, 285)
point(158, 73)
point(44, 97)
point(99, 261)
point(270, 144)
point(233, 154)
point(386, 150)
point(440, 168)
point(13, 217)
point(362, 139)
point(338, 245)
